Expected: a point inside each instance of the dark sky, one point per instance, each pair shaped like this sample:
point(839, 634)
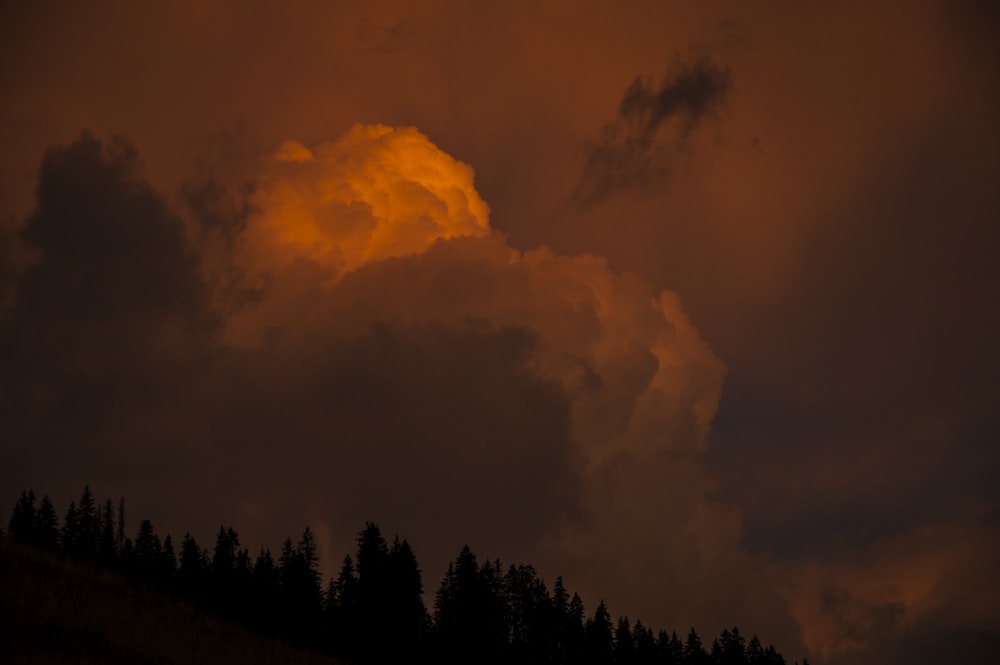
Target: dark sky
point(693, 304)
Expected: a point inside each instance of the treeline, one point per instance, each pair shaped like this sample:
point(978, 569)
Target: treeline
point(373, 610)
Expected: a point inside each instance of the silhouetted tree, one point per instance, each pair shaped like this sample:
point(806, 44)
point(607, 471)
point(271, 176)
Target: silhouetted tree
point(466, 607)
point(88, 525)
point(669, 649)
point(405, 615)
point(343, 615)
point(120, 530)
point(265, 590)
point(532, 620)
point(624, 643)
point(374, 611)
point(223, 570)
point(193, 569)
point(694, 651)
point(69, 537)
point(107, 547)
point(772, 657)
point(166, 563)
point(47, 525)
point(300, 592)
point(24, 517)
point(598, 636)
point(729, 648)
point(146, 552)
point(574, 631)
point(645, 644)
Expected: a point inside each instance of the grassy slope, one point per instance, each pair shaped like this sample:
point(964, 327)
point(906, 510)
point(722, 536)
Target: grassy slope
point(54, 611)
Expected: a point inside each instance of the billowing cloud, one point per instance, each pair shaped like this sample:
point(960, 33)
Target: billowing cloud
point(398, 362)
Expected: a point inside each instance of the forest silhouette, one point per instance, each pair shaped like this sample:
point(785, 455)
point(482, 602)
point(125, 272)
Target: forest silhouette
point(373, 611)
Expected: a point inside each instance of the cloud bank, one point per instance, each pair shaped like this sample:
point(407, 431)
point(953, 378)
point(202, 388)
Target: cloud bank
point(397, 361)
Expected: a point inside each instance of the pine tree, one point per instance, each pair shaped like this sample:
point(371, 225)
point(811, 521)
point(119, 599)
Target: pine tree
point(405, 612)
point(89, 527)
point(599, 636)
point(146, 552)
point(47, 525)
point(69, 537)
point(265, 590)
point(120, 531)
point(24, 518)
point(193, 568)
point(624, 644)
point(107, 549)
point(645, 644)
point(166, 563)
point(574, 633)
point(694, 651)
point(343, 615)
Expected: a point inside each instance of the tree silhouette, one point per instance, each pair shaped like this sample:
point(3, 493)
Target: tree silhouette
point(469, 612)
point(405, 615)
point(598, 636)
point(669, 649)
point(88, 524)
point(107, 547)
point(694, 651)
point(193, 570)
point(24, 517)
point(265, 585)
point(47, 525)
point(166, 563)
point(373, 610)
point(574, 631)
point(625, 653)
point(146, 551)
point(342, 610)
point(69, 537)
point(645, 644)
point(300, 591)
point(532, 619)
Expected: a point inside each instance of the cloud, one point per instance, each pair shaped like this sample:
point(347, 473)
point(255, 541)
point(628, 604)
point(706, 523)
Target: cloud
point(633, 153)
point(911, 595)
point(399, 361)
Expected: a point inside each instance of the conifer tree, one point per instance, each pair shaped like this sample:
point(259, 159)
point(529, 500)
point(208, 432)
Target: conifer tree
point(599, 636)
point(406, 616)
point(574, 633)
point(146, 551)
point(193, 568)
point(120, 531)
point(69, 537)
point(343, 615)
point(166, 563)
point(645, 644)
point(47, 526)
point(88, 525)
point(24, 518)
point(694, 651)
point(624, 643)
point(107, 548)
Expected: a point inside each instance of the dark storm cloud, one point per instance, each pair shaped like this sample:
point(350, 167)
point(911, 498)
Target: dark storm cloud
point(436, 431)
point(109, 314)
point(634, 153)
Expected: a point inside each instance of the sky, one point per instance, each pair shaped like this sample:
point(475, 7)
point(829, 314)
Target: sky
point(694, 304)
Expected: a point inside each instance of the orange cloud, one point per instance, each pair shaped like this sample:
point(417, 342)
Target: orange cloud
point(375, 193)
point(381, 228)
